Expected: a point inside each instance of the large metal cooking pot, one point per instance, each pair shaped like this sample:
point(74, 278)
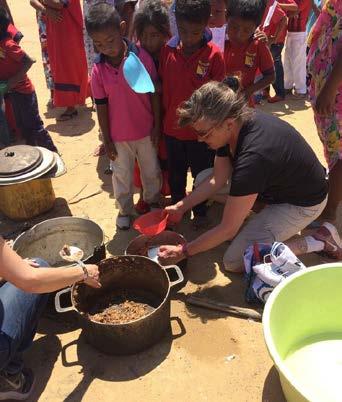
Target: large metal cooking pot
point(47, 238)
point(165, 237)
point(125, 273)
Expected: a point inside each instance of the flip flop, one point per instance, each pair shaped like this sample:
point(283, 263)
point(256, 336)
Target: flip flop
point(67, 116)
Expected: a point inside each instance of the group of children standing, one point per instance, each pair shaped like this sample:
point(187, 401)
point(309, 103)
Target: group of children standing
point(182, 45)
point(132, 124)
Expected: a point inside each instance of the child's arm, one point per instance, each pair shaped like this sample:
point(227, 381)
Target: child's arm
point(102, 115)
point(266, 65)
point(289, 7)
point(281, 25)
point(263, 83)
point(326, 99)
point(26, 65)
point(156, 109)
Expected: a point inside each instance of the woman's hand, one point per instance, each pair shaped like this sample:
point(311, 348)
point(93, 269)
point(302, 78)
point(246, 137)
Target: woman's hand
point(171, 254)
point(326, 100)
point(175, 212)
point(93, 276)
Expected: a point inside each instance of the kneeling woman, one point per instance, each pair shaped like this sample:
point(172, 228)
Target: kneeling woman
point(262, 158)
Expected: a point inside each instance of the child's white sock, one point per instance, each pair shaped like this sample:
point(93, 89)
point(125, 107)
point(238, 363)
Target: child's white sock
point(313, 245)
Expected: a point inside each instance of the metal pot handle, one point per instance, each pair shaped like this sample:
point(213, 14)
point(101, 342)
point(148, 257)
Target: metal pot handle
point(179, 274)
point(58, 306)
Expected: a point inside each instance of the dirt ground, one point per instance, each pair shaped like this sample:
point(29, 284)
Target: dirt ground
point(191, 364)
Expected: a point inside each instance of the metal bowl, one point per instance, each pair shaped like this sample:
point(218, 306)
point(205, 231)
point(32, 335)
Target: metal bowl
point(47, 238)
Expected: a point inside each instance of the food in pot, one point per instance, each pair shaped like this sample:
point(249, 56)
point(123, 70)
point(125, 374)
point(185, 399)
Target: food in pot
point(121, 307)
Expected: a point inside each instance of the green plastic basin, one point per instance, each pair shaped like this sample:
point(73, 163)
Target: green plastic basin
point(302, 325)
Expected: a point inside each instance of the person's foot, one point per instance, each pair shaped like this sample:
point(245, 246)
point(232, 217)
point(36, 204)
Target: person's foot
point(68, 114)
point(328, 234)
point(18, 386)
point(123, 222)
point(299, 96)
point(141, 207)
point(275, 99)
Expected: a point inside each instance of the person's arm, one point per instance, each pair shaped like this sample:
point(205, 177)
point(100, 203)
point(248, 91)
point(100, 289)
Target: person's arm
point(280, 27)
point(103, 117)
point(289, 7)
point(267, 80)
point(102, 109)
point(37, 5)
point(209, 187)
point(156, 109)
point(56, 4)
point(235, 212)
point(41, 280)
point(26, 65)
point(326, 99)
point(265, 64)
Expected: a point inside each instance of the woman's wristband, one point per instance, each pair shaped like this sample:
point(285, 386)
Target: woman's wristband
point(85, 272)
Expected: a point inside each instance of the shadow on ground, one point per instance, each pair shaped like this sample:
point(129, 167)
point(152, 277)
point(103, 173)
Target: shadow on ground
point(96, 365)
point(41, 357)
point(272, 391)
point(78, 125)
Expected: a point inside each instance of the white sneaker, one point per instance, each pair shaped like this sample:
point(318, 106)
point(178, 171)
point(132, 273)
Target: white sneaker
point(123, 222)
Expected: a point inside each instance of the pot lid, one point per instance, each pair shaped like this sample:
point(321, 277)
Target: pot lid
point(19, 159)
point(48, 162)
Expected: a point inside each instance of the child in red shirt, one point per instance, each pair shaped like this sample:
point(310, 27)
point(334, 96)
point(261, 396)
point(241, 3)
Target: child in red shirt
point(14, 63)
point(186, 63)
point(152, 29)
point(244, 55)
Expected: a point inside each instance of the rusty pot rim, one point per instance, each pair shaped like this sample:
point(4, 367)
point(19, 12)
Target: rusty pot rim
point(164, 301)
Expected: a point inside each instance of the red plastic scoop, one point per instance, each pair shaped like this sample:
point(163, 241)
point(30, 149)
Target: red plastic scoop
point(152, 223)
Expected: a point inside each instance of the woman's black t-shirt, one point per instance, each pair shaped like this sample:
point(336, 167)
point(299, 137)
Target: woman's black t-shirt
point(273, 160)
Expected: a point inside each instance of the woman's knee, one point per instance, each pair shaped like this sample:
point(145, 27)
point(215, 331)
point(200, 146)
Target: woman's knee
point(233, 260)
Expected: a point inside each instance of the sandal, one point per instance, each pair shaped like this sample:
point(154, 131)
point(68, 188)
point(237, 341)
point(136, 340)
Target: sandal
point(67, 116)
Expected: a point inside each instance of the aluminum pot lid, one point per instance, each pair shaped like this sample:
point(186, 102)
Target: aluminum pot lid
point(48, 162)
point(19, 159)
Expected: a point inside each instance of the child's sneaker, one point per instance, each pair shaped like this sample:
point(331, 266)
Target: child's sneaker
point(141, 207)
point(18, 386)
point(328, 234)
point(123, 222)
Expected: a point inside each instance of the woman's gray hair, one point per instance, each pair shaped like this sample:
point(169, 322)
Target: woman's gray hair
point(215, 101)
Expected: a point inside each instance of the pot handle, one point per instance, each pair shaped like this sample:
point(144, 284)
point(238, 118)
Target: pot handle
point(58, 306)
point(179, 274)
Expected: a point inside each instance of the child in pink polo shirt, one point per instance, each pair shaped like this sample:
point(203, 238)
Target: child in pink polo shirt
point(129, 121)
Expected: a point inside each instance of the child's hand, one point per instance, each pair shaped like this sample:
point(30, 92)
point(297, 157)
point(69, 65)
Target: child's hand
point(260, 35)
point(111, 151)
point(155, 136)
point(325, 103)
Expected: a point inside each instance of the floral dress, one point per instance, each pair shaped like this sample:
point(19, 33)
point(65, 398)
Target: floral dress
point(41, 20)
point(325, 43)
